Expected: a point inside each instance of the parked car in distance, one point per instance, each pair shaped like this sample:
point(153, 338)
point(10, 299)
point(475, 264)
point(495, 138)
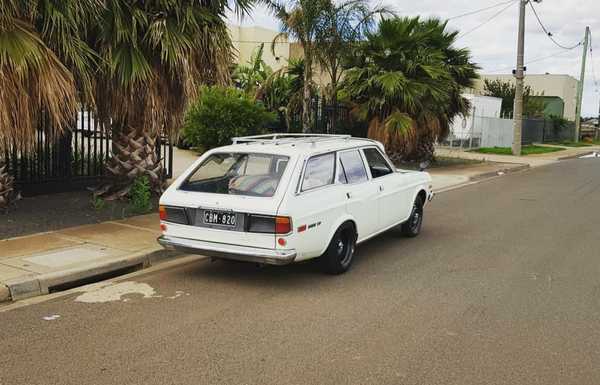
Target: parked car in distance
point(283, 198)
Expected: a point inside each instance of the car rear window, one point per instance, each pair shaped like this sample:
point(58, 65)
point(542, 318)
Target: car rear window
point(238, 174)
point(319, 171)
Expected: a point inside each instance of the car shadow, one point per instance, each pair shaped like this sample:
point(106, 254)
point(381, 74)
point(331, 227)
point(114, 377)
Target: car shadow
point(371, 257)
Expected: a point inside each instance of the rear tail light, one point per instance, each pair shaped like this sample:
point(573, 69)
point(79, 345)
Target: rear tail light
point(173, 214)
point(283, 225)
point(267, 224)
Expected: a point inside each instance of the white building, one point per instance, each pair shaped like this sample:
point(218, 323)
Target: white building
point(562, 86)
point(246, 40)
point(481, 106)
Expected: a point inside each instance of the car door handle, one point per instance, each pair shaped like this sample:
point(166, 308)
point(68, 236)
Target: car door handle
point(381, 188)
point(349, 195)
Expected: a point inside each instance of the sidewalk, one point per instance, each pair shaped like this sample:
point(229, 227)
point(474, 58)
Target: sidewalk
point(532, 160)
point(37, 264)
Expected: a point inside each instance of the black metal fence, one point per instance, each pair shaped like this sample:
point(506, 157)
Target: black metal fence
point(69, 161)
point(326, 119)
point(546, 131)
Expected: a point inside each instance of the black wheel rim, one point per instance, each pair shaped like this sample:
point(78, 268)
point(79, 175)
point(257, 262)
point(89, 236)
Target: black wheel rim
point(416, 217)
point(344, 248)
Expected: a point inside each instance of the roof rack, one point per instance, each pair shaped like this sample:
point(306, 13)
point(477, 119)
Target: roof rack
point(287, 138)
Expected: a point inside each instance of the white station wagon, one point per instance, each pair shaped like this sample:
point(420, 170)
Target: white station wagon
point(278, 199)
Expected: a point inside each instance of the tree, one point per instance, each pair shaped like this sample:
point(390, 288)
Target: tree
point(406, 80)
point(343, 25)
point(533, 103)
point(250, 77)
point(44, 68)
point(283, 91)
point(221, 113)
point(154, 54)
point(301, 20)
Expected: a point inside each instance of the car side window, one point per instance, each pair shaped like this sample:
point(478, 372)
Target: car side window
point(353, 166)
point(319, 171)
point(377, 164)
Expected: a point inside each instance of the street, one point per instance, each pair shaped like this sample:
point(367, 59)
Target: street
point(501, 287)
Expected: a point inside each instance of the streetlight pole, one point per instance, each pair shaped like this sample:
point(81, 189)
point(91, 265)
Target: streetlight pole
point(580, 85)
point(519, 76)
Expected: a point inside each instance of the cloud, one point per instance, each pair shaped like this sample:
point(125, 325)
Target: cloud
point(493, 45)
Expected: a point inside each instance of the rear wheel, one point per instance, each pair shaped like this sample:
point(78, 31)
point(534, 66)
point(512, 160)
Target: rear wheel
point(340, 253)
point(412, 227)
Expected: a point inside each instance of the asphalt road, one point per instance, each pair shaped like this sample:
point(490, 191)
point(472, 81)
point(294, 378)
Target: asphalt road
point(502, 287)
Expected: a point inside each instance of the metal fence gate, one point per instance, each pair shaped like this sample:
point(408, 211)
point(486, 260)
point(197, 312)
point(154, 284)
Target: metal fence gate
point(70, 161)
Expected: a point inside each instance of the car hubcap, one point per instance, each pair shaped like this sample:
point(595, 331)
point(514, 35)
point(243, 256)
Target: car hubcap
point(416, 219)
point(344, 249)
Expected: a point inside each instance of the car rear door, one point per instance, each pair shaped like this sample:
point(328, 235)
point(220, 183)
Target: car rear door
point(361, 193)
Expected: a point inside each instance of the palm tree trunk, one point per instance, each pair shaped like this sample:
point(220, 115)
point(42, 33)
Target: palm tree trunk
point(306, 102)
point(133, 155)
point(6, 186)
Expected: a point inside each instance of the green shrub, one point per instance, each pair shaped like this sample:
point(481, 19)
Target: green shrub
point(222, 113)
point(140, 195)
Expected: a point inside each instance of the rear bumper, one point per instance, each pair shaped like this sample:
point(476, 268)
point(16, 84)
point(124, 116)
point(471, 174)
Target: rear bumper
point(226, 251)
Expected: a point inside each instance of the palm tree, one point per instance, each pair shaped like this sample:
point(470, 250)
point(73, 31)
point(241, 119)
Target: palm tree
point(283, 90)
point(344, 24)
point(155, 55)
point(301, 20)
point(251, 76)
point(406, 80)
point(44, 60)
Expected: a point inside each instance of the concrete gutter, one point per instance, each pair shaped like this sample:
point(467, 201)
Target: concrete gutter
point(40, 284)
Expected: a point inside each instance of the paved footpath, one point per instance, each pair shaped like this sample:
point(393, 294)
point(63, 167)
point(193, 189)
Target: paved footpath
point(501, 287)
point(34, 264)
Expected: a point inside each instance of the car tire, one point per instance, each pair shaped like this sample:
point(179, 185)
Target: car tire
point(340, 253)
point(412, 227)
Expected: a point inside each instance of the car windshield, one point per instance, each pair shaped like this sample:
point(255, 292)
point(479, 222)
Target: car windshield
point(238, 174)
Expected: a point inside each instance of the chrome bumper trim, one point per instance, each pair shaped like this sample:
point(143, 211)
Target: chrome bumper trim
point(226, 251)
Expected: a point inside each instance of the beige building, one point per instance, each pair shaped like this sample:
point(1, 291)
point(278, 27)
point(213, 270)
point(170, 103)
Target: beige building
point(246, 40)
point(562, 86)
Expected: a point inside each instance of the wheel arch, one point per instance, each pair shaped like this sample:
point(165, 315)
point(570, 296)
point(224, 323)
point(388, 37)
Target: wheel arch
point(336, 225)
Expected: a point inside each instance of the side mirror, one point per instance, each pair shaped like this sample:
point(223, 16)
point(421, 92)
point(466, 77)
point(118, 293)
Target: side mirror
point(424, 165)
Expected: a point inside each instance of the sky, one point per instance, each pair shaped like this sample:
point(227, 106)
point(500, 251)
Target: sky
point(493, 45)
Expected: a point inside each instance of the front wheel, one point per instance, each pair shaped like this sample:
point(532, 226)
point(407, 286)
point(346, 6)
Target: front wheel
point(340, 253)
point(412, 227)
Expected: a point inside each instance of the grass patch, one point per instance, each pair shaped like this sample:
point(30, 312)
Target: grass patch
point(525, 150)
point(568, 143)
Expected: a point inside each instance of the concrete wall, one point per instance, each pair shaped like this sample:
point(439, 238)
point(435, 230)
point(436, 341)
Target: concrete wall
point(562, 86)
point(246, 41)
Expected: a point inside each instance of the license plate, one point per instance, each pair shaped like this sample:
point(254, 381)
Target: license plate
point(219, 218)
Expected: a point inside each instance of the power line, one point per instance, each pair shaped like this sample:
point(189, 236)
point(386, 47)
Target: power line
point(548, 33)
point(488, 20)
point(555, 54)
point(479, 10)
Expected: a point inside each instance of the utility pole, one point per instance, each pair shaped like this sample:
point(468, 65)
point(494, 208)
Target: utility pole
point(580, 84)
point(519, 76)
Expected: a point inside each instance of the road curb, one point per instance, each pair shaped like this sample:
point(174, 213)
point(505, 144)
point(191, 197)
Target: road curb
point(577, 155)
point(35, 285)
point(485, 176)
point(504, 171)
